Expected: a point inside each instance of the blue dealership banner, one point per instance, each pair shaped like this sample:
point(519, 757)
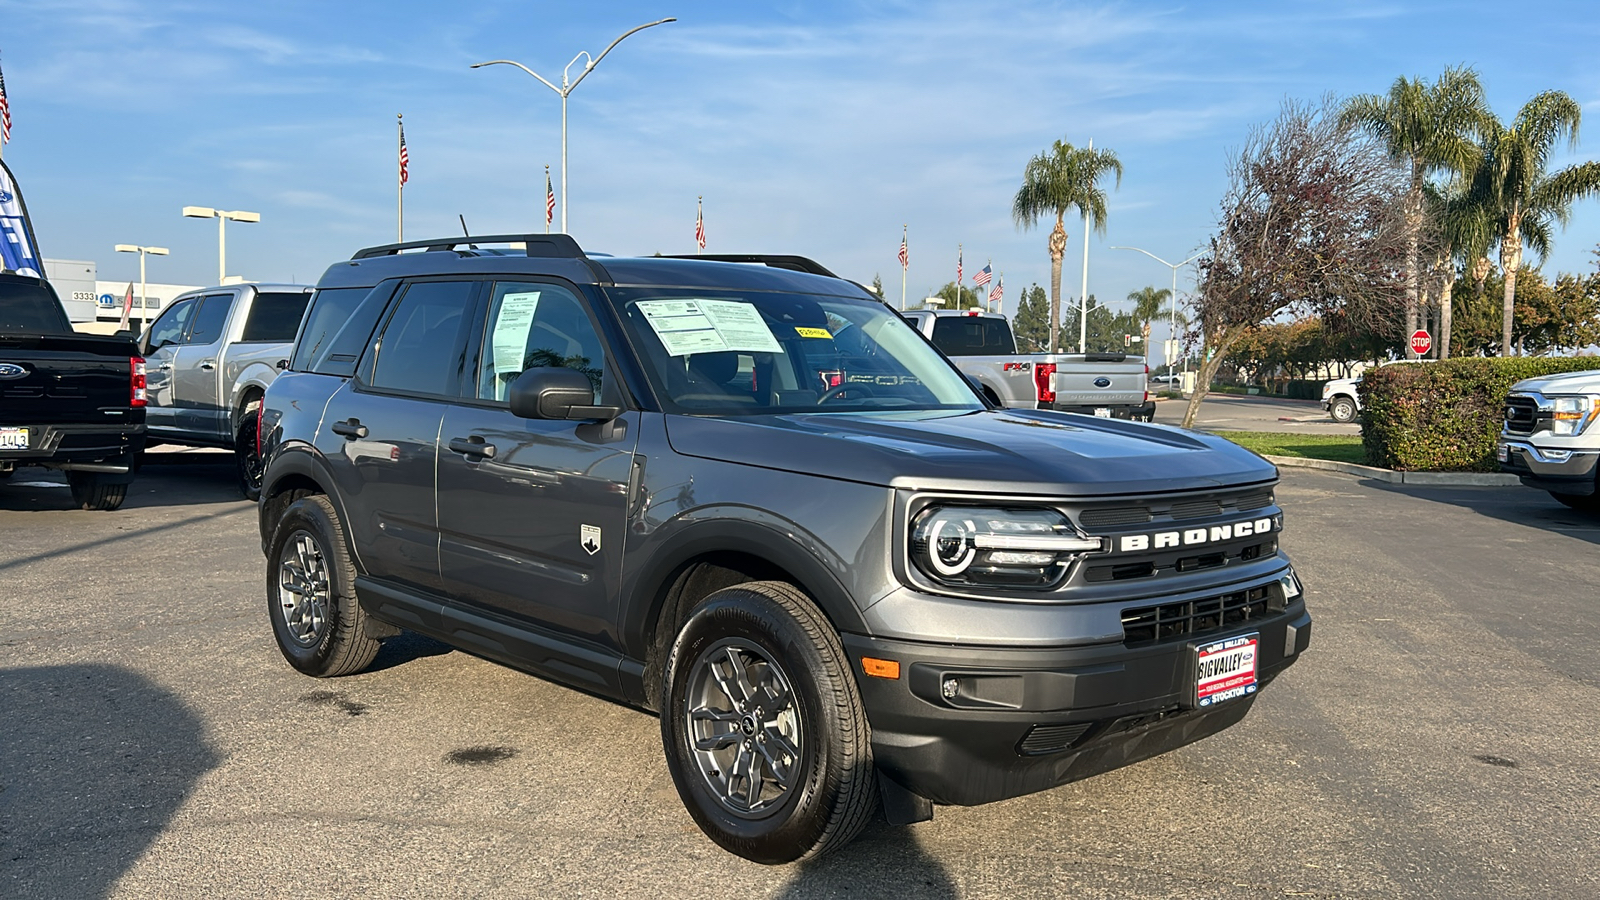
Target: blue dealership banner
point(19, 251)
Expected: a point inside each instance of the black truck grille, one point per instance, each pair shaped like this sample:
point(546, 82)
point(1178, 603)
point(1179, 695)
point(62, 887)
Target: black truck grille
point(1177, 510)
point(1522, 415)
point(1051, 738)
point(1176, 621)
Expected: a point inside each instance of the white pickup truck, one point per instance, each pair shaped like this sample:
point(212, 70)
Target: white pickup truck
point(1113, 385)
point(209, 358)
point(1549, 437)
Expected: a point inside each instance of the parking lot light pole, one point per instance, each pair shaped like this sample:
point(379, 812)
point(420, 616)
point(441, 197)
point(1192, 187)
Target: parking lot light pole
point(1174, 296)
point(135, 248)
point(222, 216)
point(566, 89)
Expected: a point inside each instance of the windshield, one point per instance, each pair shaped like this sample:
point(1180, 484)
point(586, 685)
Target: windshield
point(745, 353)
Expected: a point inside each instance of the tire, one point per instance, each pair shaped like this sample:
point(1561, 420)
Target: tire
point(318, 624)
point(1342, 409)
point(90, 491)
point(771, 634)
point(245, 457)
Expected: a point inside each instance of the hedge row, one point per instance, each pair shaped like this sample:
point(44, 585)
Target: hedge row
point(1444, 416)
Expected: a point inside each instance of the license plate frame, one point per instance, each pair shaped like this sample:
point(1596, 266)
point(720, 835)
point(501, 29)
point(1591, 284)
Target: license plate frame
point(15, 439)
point(1225, 669)
point(1102, 412)
point(1502, 453)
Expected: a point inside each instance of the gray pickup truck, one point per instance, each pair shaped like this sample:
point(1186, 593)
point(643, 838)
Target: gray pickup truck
point(209, 358)
point(1110, 385)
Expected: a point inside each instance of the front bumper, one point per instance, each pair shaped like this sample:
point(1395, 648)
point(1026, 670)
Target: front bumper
point(1549, 469)
point(1141, 412)
point(1028, 720)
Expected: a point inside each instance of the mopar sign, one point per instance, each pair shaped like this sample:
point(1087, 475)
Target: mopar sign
point(106, 301)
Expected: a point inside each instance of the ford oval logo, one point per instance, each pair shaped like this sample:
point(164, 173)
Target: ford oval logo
point(1102, 381)
point(9, 371)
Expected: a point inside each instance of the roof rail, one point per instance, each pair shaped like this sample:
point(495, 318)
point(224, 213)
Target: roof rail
point(552, 246)
point(775, 260)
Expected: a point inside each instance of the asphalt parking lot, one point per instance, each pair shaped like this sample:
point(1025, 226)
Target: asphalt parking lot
point(1233, 412)
point(1440, 739)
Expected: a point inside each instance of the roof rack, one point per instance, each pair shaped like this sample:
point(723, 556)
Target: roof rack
point(549, 246)
point(775, 260)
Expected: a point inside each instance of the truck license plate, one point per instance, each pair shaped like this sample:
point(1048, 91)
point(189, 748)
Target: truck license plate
point(1103, 412)
point(1225, 670)
point(13, 438)
point(1500, 453)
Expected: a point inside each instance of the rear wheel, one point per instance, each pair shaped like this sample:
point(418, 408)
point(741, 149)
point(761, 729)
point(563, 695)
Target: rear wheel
point(319, 625)
point(245, 453)
point(763, 727)
point(1342, 409)
point(90, 491)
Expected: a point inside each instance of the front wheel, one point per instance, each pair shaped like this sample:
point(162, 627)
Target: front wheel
point(1342, 409)
point(763, 727)
point(318, 623)
point(90, 491)
point(247, 455)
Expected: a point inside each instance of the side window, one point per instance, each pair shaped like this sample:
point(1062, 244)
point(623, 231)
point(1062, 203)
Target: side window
point(275, 316)
point(997, 340)
point(211, 319)
point(168, 328)
point(958, 335)
point(420, 350)
point(338, 328)
point(532, 325)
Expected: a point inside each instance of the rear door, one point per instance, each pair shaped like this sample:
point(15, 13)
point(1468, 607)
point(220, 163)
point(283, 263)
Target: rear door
point(161, 351)
point(380, 432)
point(197, 370)
point(532, 512)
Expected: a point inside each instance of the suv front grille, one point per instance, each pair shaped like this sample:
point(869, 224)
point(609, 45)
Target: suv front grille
point(1176, 621)
point(1522, 415)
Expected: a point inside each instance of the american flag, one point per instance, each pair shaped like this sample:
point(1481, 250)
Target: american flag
point(405, 158)
point(549, 200)
point(905, 255)
point(5, 112)
point(998, 293)
point(983, 276)
point(699, 225)
point(959, 257)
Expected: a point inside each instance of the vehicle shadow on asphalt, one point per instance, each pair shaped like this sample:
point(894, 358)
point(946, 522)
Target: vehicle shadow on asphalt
point(1518, 505)
point(175, 481)
point(405, 648)
point(885, 861)
point(94, 762)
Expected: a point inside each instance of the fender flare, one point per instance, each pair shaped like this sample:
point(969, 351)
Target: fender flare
point(300, 459)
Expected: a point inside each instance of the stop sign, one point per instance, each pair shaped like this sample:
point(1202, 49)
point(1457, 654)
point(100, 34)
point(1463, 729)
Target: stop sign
point(1421, 341)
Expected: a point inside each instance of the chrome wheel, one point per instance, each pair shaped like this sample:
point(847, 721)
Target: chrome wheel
point(744, 727)
point(304, 597)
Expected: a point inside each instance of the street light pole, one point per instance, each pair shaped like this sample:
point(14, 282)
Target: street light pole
point(1173, 296)
point(222, 216)
point(143, 290)
point(565, 90)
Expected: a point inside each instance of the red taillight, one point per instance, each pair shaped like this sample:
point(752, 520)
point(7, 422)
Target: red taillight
point(972, 312)
point(1041, 380)
point(137, 395)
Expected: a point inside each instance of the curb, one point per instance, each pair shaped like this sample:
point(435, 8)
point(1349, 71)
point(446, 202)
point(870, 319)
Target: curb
point(1437, 479)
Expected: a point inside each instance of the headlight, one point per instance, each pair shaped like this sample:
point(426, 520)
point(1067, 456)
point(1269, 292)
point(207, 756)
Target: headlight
point(1571, 415)
point(972, 546)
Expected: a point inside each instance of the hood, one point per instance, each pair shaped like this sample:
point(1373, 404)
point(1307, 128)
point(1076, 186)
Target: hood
point(1001, 451)
point(1565, 383)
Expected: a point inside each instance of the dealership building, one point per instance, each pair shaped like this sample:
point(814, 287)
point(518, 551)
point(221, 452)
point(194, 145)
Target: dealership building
point(89, 299)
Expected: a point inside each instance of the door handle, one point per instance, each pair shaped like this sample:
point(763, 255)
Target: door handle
point(165, 367)
point(350, 428)
point(472, 446)
point(207, 364)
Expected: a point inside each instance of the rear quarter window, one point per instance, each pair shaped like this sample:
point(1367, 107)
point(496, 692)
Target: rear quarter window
point(275, 316)
point(337, 328)
point(972, 336)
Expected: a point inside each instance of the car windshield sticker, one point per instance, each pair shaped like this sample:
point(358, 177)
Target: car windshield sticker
point(707, 326)
point(511, 331)
point(813, 332)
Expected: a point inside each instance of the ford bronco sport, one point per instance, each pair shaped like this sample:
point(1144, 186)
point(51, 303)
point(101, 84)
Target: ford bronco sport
point(754, 500)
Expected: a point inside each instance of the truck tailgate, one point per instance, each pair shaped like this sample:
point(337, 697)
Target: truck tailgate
point(65, 379)
point(1099, 383)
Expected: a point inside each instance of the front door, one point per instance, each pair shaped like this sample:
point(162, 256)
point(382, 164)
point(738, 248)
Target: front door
point(380, 433)
point(160, 358)
point(532, 512)
point(197, 373)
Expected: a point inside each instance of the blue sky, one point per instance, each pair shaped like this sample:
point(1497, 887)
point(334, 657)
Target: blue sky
point(816, 128)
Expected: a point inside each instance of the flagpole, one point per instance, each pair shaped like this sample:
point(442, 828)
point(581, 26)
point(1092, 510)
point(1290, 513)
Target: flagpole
point(904, 232)
point(1083, 300)
point(400, 185)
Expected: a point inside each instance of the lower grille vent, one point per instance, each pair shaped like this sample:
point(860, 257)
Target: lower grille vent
point(1051, 738)
point(1176, 621)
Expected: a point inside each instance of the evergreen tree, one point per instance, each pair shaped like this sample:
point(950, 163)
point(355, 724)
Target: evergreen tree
point(1031, 326)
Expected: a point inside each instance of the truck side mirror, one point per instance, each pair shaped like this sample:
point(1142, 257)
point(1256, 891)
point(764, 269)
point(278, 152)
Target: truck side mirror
point(556, 393)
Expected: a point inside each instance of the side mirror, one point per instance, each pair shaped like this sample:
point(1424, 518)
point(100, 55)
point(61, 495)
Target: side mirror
point(556, 393)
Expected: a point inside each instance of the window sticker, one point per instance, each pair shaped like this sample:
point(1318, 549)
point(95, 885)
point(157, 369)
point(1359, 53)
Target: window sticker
point(511, 326)
point(813, 332)
point(706, 326)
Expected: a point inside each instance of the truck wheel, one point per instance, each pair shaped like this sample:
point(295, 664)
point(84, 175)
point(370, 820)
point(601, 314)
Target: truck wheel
point(1343, 409)
point(245, 456)
point(90, 491)
point(319, 625)
point(763, 727)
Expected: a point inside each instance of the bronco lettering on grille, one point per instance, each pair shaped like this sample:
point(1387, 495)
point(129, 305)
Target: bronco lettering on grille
point(1189, 537)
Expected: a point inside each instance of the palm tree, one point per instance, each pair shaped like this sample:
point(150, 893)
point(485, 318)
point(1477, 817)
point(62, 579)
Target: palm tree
point(1462, 231)
point(1429, 128)
point(1053, 182)
point(1148, 303)
point(1524, 199)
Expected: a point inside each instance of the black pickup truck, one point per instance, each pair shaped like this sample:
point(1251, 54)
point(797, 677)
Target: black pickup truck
point(68, 401)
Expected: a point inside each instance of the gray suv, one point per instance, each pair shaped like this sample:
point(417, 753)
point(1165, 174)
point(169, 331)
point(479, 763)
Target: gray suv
point(754, 500)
